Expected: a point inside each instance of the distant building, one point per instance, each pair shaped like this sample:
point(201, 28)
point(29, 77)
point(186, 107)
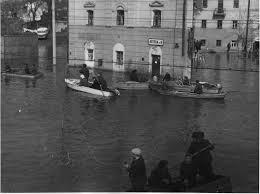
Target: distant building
point(221, 22)
point(121, 35)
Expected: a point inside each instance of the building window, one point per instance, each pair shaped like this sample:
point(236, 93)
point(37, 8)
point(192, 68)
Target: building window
point(218, 43)
point(157, 18)
point(203, 42)
point(233, 43)
point(203, 23)
point(120, 17)
point(90, 55)
point(236, 4)
point(90, 17)
point(119, 57)
point(219, 24)
point(205, 3)
point(234, 24)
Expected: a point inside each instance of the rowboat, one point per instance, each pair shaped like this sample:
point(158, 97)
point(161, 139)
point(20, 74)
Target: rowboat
point(192, 94)
point(131, 85)
point(74, 84)
point(29, 76)
point(220, 184)
point(173, 85)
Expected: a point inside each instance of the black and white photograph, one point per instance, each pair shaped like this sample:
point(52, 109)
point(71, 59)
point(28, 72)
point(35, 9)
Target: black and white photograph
point(130, 96)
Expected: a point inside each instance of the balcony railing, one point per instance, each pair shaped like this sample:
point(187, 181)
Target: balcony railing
point(219, 13)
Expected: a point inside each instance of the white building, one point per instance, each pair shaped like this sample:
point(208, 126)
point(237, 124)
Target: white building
point(220, 22)
point(120, 35)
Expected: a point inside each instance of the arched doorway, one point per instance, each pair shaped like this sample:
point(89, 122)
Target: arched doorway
point(118, 57)
point(89, 50)
point(155, 60)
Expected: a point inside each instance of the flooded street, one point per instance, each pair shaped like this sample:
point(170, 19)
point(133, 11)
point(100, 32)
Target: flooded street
point(58, 140)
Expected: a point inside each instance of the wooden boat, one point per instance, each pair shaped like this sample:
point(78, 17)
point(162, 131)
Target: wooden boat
point(74, 84)
point(131, 85)
point(173, 85)
point(29, 76)
point(220, 184)
point(192, 94)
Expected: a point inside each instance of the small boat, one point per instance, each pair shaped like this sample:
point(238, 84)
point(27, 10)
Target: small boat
point(192, 94)
point(74, 84)
point(173, 85)
point(132, 85)
point(29, 76)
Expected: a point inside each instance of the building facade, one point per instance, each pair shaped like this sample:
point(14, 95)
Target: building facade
point(121, 35)
point(219, 22)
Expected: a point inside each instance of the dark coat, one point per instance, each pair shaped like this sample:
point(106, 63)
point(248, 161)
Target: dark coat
point(167, 77)
point(137, 174)
point(102, 82)
point(188, 171)
point(85, 72)
point(84, 82)
point(198, 89)
point(27, 70)
point(157, 177)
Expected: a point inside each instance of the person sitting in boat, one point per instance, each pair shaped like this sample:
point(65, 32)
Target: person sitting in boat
point(160, 178)
point(95, 83)
point(8, 69)
point(167, 77)
point(186, 81)
point(26, 69)
point(188, 172)
point(34, 70)
point(84, 70)
point(198, 88)
point(83, 81)
point(200, 149)
point(155, 78)
point(102, 82)
point(219, 86)
point(133, 76)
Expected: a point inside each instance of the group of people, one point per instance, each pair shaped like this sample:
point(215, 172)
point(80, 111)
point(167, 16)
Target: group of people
point(99, 82)
point(32, 71)
point(195, 169)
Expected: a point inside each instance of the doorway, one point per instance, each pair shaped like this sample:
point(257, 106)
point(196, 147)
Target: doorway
point(156, 65)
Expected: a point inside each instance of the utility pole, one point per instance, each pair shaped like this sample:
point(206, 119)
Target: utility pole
point(247, 23)
point(53, 33)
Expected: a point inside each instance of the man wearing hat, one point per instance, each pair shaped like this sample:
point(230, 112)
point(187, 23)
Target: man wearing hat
point(199, 150)
point(137, 170)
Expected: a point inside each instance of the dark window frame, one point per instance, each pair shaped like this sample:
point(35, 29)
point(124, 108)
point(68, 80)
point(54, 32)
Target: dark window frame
point(235, 24)
point(157, 18)
point(218, 43)
point(120, 17)
point(203, 42)
point(90, 17)
point(236, 4)
point(205, 3)
point(91, 53)
point(219, 24)
point(119, 57)
point(203, 23)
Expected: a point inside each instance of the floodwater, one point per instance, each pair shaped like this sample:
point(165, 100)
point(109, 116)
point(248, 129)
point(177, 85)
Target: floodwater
point(56, 140)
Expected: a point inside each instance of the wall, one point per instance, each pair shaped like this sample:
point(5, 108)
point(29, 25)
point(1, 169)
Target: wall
point(19, 49)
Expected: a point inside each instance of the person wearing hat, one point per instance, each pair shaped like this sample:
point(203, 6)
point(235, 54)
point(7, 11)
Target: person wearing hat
point(137, 171)
point(83, 81)
point(198, 88)
point(201, 157)
point(84, 70)
point(160, 178)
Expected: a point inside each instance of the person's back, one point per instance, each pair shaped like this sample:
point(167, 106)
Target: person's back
point(160, 176)
point(198, 88)
point(34, 70)
point(85, 71)
point(96, 84)
point(26, 69)
point(167, 77)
